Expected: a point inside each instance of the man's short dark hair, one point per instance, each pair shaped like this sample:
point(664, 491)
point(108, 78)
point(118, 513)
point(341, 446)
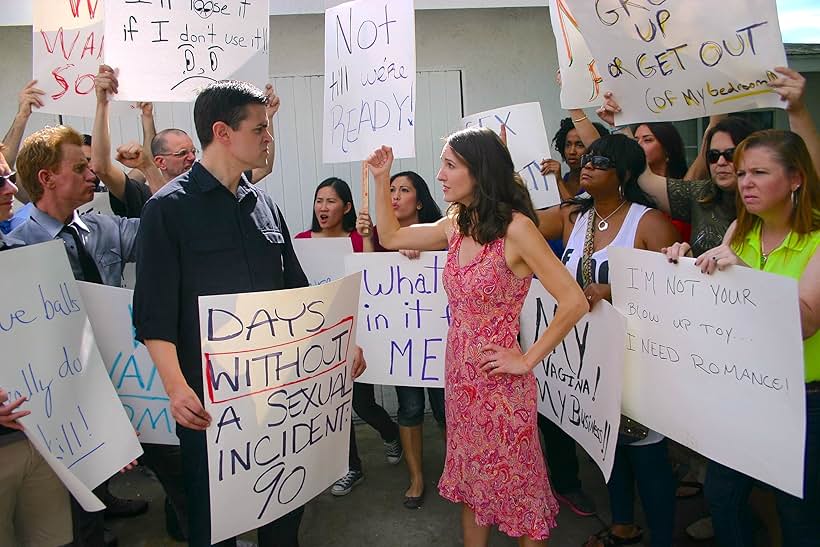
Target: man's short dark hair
point(223, 101)
point(158, 142)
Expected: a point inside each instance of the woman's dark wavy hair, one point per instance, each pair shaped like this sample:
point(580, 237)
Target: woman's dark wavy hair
point(559, 141)
point(429, 211)
point(343, 190)
point(630, 162)
point(499, 190)
point(671, 141)
point(738, 129)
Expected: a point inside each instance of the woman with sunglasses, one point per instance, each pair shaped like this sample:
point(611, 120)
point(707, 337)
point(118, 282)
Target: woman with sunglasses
point(777, 231)
point(617, 213)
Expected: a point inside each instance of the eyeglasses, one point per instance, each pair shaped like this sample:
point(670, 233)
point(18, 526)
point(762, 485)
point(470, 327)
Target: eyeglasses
point(180, 153)
point(712, 155)
point(7, 178)
point(598, 162)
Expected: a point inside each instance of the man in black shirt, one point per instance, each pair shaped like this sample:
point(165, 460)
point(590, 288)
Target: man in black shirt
point(210, 231)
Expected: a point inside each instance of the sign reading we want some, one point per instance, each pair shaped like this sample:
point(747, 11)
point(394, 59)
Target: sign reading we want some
point(277, 374)
point(682, 59)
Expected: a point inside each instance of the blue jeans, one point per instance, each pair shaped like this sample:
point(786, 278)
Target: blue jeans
point(727, 492)
point(649, 467)
point(411, 405)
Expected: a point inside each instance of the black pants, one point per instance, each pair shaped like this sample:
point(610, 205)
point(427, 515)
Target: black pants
point(166, 462)
point(88, 527)
point(562, 460)
point(364, 404)
point(283, 532)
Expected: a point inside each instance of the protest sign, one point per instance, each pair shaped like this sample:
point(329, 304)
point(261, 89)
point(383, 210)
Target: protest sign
point(100, 203)
point(277, 369)
point(528, 144)
point(323, 258)
point(198, 42)
point(128, 363)
point(51, 358)
point(403, 318)
point(676, 59)
point(67, 49)
point(580, 80)
point(370, 79)
point(580, 382)
point(707, 366)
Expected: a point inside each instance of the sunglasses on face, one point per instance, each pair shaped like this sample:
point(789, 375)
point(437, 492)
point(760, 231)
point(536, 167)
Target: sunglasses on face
point(712, 156)
point(5, 179)
point(597, 162)
point(181, 153)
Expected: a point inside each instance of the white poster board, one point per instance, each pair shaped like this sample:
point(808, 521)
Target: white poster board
point(370, 79)
point(715, 362)
point(580, 382)
point(323, 258)
point(100, 203)
point(580, 78)
point(67, 50)
point(683, 59)
point(403, 318)
point(167, 51)
point(279, 392)
point(128, 363)
point(50, 357)
point(528, 144)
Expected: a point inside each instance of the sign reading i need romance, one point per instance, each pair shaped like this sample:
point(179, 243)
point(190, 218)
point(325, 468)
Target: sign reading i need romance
point(370, 79)
point(715, 362)
point(50, 357)
point(680, 59)
point(528, 144)
point(167, 51)
point(277, 371)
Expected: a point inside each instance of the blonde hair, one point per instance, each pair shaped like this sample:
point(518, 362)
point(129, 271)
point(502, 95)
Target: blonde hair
point(43, 150)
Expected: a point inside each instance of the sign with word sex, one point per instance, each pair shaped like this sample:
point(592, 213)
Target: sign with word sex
point(715, 362)
point(323, 258)
point(128, 363)
point(528, 144)
point(403, 318)
point(277, 367)
point(167, 51)
point(681, 59)
point(580, 80)
point(51, 358)
point(370, 79)
point(580, 381)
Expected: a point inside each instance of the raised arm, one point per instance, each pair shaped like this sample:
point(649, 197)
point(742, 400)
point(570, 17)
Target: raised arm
point(271, 108)
point(105, 84)
point(791, 86)
point(29, 98)
point(133, 156)
point(699, 170)
point(421, 237)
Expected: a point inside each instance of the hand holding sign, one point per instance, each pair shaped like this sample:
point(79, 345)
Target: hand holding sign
point(29, 98)
point(791, 86)
point(608, 110)
point(8, 412)
point(271, 103)
point(719, 258)
point(186, 408)
point(105, 83)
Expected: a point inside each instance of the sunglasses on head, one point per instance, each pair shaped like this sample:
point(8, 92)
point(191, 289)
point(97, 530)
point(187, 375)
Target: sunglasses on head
point(597, 162)
point(712, 155)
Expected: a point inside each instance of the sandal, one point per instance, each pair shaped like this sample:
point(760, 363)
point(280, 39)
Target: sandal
point(605, 538)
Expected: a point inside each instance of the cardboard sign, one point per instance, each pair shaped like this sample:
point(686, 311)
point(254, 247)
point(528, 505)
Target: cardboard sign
point(50, 357)
point(580, 80)
point(528, 144)
point(277, 370)
point(580, 382)
point(682, 59)
point(715, 362)
point(167, 51)
point(370, 79)
point(403, 318)
point(323, 258)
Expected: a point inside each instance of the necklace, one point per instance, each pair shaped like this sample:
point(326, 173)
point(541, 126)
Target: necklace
point(764, 256)
point(603, 225)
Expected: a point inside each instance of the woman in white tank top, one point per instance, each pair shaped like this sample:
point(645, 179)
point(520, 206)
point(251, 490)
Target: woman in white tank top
point(620, 215)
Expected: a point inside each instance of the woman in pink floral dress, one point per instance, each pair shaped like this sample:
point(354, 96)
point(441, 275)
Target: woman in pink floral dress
point(494, 464)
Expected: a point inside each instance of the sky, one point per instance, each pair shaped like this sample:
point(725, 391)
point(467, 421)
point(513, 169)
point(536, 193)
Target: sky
point(799, 20)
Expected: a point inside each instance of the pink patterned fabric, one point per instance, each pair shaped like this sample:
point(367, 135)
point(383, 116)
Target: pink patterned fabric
point(494, 462)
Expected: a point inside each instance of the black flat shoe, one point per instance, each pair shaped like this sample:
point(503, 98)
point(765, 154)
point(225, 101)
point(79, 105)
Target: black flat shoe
point(414, 502)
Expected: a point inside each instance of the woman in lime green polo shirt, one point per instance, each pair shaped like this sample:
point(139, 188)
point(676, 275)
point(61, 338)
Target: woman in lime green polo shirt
point(777, 230)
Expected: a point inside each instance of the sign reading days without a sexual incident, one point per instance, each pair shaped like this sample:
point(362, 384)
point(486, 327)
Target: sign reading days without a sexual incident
point(580, 382)
point(51, 358)
point(528, 144)
point(370, 79)
point(128, 363)
point(681, 59)
point(166, 51)
point(580, 80)
point(403, 318)
point(277, 369)
point(715, 362)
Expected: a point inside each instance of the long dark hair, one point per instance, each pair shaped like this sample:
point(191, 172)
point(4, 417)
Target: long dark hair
point(630, 162)
point(429, 211)
point(499, 190)
point(559, 141)
point(343, 190)
point(672, 143)
point(738, 129)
